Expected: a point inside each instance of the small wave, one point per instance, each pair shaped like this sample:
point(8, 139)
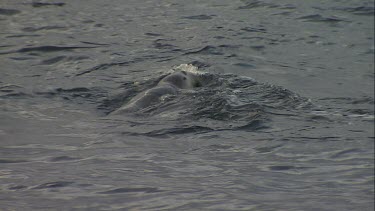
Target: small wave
point(49, 185)
point(199, 17)
point(360, 10)
point(47, 49)
point(228, 50)
point(163, 44)
point(8, 11)
point(253, 4)
point(62, 58)
point(131, 190)
point(77, 95)
point(35, 29)
point(319, 18)
point(5, 161)
point(45, 4)
point(13, 91)
point(63, 159)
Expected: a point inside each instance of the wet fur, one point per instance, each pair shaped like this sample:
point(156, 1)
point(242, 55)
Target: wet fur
point(168, 85)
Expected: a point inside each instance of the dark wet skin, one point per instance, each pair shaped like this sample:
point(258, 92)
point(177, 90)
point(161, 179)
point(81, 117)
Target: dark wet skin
point(169, 85)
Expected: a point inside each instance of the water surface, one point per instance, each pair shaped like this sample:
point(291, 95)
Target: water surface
point(284, 122)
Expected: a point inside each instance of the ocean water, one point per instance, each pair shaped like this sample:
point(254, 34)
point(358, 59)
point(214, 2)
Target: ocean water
point(283, 121)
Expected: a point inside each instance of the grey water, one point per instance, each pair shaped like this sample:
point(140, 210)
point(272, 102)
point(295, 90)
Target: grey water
point(284, 120)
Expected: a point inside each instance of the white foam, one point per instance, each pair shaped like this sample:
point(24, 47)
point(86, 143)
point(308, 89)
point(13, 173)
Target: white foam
point(188, 68)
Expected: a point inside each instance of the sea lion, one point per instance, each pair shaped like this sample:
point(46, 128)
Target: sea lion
point(170, 84)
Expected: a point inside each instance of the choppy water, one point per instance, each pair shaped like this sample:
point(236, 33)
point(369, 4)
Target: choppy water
point(284, 121)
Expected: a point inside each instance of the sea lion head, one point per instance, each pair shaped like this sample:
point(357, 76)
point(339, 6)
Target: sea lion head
point(182, 80)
